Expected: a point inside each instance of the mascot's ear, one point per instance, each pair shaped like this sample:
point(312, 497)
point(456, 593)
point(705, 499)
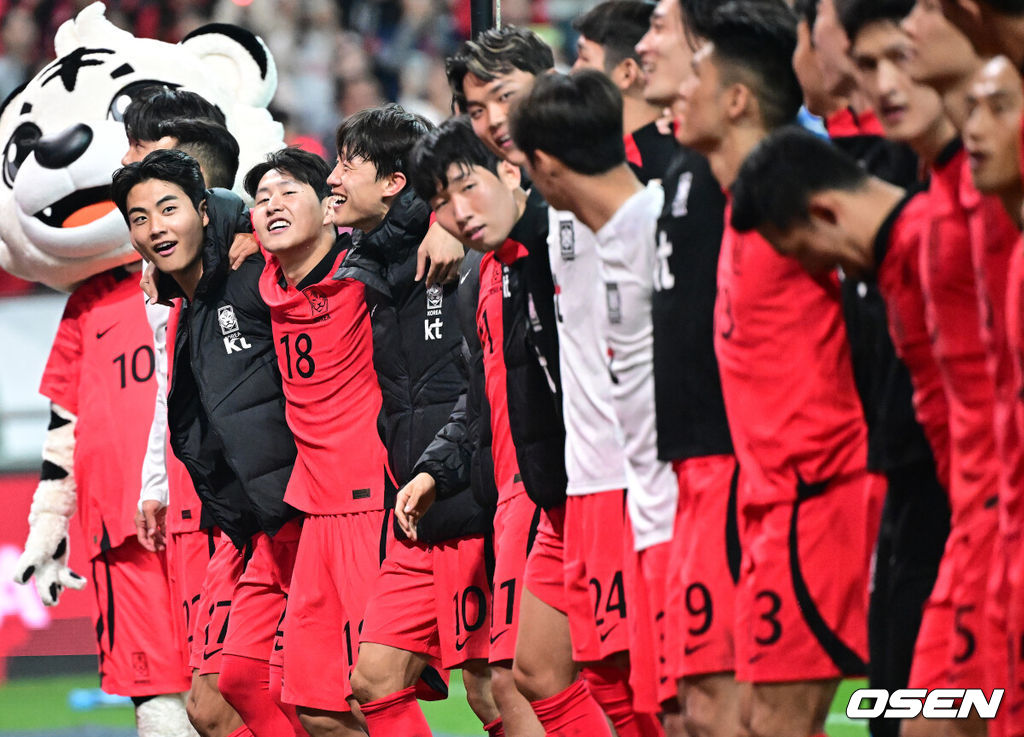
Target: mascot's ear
point(91, 24)
point(238, 58)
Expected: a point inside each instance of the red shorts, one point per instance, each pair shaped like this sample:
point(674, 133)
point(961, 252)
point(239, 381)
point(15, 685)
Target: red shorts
point(336, 565)
point(257, 607)
point(138, 657)
point(704, 568)
point(211, 621)
point(802, 600)
point(433, 600)
point(594, 584)
point(515, 524)
point(545, 565)
point(650, 673)
point(957, 646)
point(188, 555)
point(1012, 710)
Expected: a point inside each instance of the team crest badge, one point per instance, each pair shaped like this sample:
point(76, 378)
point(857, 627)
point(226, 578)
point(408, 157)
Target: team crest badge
point(140, 667)
point(435, 297)
point(317, 300)
point(567, 240)
point(227, 320)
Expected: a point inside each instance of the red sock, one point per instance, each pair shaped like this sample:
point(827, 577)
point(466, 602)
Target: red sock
point(245, 684)
point(242, 731)
point(396, 714)
point(495, 728)
point(610, 686)
point(572, 713)
point(276, 683)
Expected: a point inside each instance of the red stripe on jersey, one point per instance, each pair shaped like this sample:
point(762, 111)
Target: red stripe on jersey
point(993, 238)
point(787, 377)
point(102, 369)
point(633, 155)
point(951, 309)
point(899, 281)
point(324, 349)
point(490, 328)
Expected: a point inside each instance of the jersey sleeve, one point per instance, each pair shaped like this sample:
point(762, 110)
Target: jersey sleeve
point(63, 367)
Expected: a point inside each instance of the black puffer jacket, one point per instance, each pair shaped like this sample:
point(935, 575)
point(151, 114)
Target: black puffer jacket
point(460, 454)
point(225, 382)
point(531, 360)
point(417, 352)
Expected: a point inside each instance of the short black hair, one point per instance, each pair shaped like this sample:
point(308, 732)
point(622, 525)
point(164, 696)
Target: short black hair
point(452, 142)
point(754, 40)
point(143, 116)
point(384, 136)
point(576, 118)
point(1006, 7)
point(696, 17)
point(209, 143)
point(494, 52)
point(166, 165)
point(806, 10)
point(778, 178)
point(854, 15)
point(307, 167)
point(616, 26)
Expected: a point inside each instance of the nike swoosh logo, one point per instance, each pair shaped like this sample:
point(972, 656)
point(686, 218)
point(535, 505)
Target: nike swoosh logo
point(604, 635)
point(464, 277)
point(460, 645)
point(494, 639)
point(208, 655)
point(687, 650)
point(101, 334)
point(754, 658)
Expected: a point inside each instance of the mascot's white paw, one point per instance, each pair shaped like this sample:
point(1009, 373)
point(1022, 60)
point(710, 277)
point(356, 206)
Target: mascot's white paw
point(46, 549)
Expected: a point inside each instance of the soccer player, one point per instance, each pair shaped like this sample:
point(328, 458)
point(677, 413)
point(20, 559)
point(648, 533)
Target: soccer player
point(324, 351)
point(914, 113)
point(600, 189)
point(225, 337)
point(800, 437)
point(152, 123)
point(478, 197)
point(560, 562)
point(609, 33)
point(410, 621)
point(992, 139)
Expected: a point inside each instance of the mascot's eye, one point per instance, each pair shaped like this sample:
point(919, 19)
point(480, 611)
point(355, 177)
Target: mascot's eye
point(18, 148)
point(128, 94)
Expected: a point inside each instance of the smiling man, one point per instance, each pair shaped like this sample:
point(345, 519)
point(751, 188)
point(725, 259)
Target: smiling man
point(225, 339)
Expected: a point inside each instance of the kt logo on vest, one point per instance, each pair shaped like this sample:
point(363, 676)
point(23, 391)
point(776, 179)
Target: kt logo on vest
point(233, 340)
point(435, 301)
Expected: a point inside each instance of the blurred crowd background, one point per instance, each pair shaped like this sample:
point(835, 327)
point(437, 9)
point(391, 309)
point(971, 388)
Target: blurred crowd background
point(334, 57)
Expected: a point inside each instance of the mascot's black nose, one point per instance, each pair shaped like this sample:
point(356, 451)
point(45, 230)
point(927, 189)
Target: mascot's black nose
point(61, 149)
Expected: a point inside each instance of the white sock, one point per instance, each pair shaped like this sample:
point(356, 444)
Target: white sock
point(164, 716)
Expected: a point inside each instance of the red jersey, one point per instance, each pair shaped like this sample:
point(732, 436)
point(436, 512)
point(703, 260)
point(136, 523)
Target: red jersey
point(787, 377)
point(846, 123)
point(897, 259)
point(490, 327)
point(994, 238)
point(184, 510)
point(102, 369)
point(325, 353)
point(951, 309)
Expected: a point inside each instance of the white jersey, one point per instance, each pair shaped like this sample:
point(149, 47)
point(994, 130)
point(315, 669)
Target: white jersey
point(627, 251)
point(594, 457)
